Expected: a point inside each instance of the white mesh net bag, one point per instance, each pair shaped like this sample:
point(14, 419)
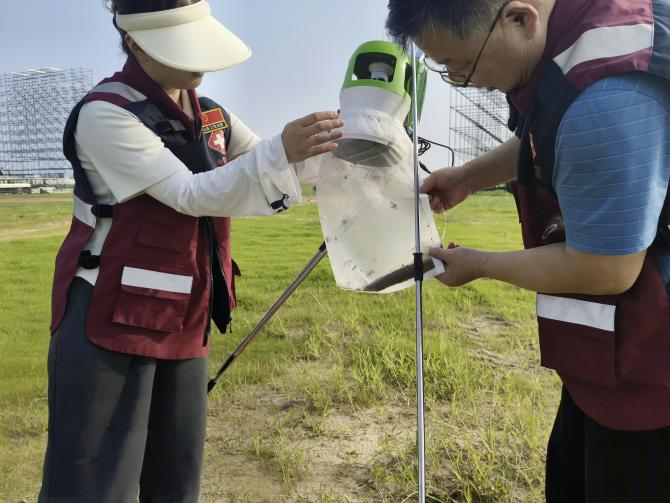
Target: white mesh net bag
point(367, 219)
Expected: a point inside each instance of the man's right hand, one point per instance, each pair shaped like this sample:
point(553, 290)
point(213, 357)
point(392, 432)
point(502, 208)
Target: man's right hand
point(446, 188)
point(451, 186)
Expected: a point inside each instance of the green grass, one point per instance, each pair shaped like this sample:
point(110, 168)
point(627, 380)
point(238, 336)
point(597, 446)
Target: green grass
point(321, 406)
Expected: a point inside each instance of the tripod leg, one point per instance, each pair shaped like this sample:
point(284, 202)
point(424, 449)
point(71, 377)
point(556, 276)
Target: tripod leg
point(322, 252)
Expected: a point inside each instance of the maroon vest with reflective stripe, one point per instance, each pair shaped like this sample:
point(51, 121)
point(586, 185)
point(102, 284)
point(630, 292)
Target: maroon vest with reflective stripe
point(612, 352)
point(154, 289)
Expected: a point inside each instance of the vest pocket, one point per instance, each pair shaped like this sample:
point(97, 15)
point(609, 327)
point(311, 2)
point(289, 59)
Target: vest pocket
point(166, 229)
point(577, 338)
point(155, 300)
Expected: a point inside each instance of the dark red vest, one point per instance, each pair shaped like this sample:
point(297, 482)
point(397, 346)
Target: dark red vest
point(612, 352)
point(162, 274)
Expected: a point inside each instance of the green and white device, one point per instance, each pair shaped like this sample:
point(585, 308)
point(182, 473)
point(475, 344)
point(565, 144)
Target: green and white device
point(375, 103)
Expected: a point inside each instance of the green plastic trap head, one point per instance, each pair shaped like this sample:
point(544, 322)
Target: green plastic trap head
point(375, 103)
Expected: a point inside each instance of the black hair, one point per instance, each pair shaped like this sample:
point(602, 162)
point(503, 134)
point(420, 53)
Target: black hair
point(139, 6)
point(411, 19)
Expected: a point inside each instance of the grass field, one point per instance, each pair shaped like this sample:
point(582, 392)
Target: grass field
point(321, 407)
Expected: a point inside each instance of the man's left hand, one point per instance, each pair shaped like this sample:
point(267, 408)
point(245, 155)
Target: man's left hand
point(462, 265)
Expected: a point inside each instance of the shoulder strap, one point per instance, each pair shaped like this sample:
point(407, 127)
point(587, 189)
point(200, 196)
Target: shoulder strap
point(83, 188)
point(171, 132)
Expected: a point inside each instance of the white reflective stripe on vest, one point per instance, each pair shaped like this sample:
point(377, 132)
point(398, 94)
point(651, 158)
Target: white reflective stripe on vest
point(155, 280)
point(606, 42)
point(82, 212)
point(580, 312)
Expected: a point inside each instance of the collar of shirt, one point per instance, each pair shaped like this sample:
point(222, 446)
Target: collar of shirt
point(133, 75)
point(560, 35)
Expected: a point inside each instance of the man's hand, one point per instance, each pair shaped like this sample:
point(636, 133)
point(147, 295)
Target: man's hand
point(461, 265)
point(449, 187)
point(446, 188)
point(311, 136)
point(554, 268)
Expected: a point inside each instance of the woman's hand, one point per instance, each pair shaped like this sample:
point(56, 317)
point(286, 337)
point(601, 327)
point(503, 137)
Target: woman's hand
point(310, 136)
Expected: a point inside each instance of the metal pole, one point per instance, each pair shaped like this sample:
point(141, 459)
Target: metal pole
point(418, 266)
point(322, 252)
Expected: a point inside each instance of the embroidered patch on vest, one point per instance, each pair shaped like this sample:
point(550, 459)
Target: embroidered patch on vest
point(217, 141)
point(213, 120)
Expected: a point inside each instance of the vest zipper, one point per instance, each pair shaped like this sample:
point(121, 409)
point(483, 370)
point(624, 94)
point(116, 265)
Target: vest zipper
point(219, 263)
point(211, 281)
point(215, 260)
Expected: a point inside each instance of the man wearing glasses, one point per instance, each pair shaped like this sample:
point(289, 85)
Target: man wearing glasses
point(589, 84)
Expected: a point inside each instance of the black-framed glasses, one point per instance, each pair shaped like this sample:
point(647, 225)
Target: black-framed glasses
point(444, 71)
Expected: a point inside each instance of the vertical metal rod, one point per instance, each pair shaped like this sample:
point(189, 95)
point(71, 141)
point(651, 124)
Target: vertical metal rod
point(419, 286)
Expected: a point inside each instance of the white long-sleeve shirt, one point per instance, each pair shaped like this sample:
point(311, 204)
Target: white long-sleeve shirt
point(124, 159)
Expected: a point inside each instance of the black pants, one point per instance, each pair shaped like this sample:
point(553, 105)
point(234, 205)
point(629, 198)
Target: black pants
point(588, 463)
point(120, 422)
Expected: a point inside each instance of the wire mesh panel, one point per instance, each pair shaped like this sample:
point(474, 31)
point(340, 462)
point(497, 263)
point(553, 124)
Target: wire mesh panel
point(34, 106)
point(478, 121)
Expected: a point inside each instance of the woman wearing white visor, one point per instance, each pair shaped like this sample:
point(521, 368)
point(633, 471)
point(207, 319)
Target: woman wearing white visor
point(146, 267)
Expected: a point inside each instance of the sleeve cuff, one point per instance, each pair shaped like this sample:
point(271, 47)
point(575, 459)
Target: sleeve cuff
point(277, 146)
point(280, 180)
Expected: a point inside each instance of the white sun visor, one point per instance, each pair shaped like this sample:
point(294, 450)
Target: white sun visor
point(186, 38)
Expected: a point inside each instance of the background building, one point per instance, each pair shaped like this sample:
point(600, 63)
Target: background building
point(478, 122)
point(34, 106)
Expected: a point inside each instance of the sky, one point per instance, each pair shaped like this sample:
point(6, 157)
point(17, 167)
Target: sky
point(301, 49)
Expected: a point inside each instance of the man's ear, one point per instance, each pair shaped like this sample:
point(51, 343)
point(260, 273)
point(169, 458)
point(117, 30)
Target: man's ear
point(522, 15)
